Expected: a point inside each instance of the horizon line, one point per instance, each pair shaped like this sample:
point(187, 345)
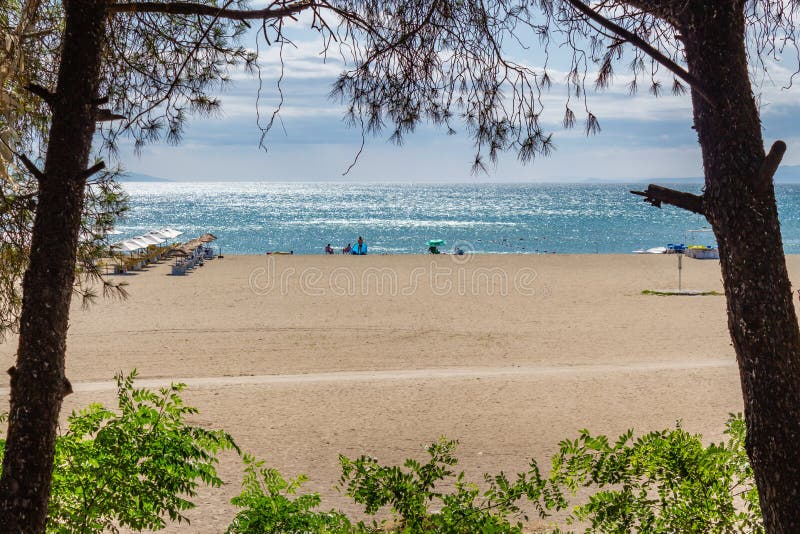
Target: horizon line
point(567, 181)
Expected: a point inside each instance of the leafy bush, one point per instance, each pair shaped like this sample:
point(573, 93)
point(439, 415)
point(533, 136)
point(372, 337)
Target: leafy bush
point(411, 493)
point(664, 481)
point(419, 506)
point(133, 468)
point(139, 467)
point(268, 507)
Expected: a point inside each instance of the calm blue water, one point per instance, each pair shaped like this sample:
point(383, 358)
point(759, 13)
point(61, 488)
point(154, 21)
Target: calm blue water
point(251, 218)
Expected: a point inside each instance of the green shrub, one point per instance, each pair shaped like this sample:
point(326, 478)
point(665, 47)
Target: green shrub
point(412, 493)
point(664, 481)
point(419, 505)
point(268, 507)
point(134, 468)
point(140, 467)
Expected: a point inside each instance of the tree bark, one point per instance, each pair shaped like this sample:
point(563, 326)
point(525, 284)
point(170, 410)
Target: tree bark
point(38, 382)
point(739, 203)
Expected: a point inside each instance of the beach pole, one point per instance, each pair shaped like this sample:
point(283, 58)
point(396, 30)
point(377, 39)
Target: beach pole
point(680, 268)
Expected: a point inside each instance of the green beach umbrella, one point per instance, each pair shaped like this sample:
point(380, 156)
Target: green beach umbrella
point(436, 242)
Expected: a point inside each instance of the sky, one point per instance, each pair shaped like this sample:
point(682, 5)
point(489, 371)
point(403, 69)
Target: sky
point(642, 137)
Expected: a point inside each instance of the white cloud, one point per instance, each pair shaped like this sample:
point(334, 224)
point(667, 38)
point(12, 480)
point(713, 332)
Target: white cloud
point(643, 136)
point(434, 158)
point(245, 107)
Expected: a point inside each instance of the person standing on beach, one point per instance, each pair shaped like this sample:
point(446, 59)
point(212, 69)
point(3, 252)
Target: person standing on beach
point(361, 248)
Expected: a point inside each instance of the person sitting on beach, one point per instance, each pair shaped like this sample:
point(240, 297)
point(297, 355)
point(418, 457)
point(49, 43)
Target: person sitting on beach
point(347, 249)
point(328, 249)
point(361, 248)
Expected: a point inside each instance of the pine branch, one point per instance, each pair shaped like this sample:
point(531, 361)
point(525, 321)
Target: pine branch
point(770, 165)
point(33, 169)
point(41, 92)
point(644, 46)
point(190, 8)
point(97, 167)
point(656, 195)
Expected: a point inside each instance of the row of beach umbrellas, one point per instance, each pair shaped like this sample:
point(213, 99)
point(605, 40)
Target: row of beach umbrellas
point(155, 237)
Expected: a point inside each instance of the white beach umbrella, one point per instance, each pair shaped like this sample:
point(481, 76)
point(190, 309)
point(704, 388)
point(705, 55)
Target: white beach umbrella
point(150, 236)
point(159, 234)
point(150, 240)
point(140, 242)
point(126, 246)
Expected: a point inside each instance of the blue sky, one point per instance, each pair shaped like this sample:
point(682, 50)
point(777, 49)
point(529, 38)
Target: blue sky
point(642, 137)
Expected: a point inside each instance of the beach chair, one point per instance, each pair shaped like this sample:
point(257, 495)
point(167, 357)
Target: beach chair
point(179, 269)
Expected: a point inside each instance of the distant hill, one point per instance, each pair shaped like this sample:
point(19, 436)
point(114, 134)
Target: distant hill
point(786, 174)
point(616, 181)
point(139, 177)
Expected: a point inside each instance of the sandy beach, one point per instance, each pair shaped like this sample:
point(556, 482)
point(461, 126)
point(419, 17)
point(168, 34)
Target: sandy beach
point(302, 358)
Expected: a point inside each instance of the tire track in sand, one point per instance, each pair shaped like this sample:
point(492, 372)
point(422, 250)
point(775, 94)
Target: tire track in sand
point(442, 373)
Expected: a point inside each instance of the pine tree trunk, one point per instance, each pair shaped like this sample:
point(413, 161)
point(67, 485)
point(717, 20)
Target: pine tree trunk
point(38, 383)
point(739, 202)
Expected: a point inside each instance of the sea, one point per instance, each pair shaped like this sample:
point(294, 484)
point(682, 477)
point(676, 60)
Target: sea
point(259, 217)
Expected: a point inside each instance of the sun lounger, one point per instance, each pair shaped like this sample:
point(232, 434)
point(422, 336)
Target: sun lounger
point(179, 269)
